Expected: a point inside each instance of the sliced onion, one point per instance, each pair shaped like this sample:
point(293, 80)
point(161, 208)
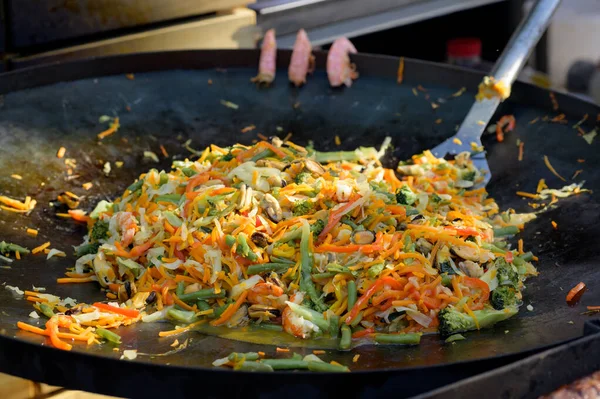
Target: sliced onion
point(244, 285)
point(417, 316)
point(156, 316)
point(173, 265)
point(82, 261)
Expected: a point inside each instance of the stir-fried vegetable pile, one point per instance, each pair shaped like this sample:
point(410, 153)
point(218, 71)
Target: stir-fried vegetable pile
point(319, 244)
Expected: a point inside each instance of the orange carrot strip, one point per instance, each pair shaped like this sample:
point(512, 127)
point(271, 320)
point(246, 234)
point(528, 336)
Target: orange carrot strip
point(52, 328)
point(231, 309)
point(125, 312)
point(73, 280)
point(575, 293)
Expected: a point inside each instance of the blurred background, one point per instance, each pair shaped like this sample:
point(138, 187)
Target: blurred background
point(467, 32)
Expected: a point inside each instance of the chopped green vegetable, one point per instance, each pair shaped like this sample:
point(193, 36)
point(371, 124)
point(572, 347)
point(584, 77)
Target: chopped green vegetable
point(46, 310)
point(452, 321)
point(506, 231)
point(301, 208)
point(405, 196)
point(108, 335)
point(6, 247)
point(455, 337)
point(401, 339)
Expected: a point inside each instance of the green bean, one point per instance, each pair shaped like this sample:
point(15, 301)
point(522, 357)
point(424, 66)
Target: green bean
point(46, 310)
point(202, 305)
point(268, 267)
point(321, 276)
point(229, 240)
point(277, 259)
point(493, 248)
point(207, 293)
point(346, 339)
point(352, 294)
point(327, 367)
point(403, 339)
point(306, 264)
point(220, 309)
point(270, 327)
point(455, 337)
point(506, 231)
point(180, 288)
point(252, 366)
point(292, 235)
point(334, 325)
point(184, 316)
point(236, 357)
point(174, 198)
point(263, 154)
point(244, 249)
point(108, 335)
point(527, 256)
point(189, 172)
point(357, 319)
point(10, 247)
point(310, 315)
point(136, 186)
point(163, 178)
point(286, 364)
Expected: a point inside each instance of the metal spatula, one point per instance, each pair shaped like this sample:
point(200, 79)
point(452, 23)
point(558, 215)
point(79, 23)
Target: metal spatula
point(505, 70)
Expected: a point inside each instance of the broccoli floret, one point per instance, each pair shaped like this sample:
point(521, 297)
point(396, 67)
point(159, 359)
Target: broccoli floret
point(317, 227)
point(506, 273)
point(87, 249)
point(227, 157)
point(452, 321)
point(302, 208)
point(301, 177)
point(99, 231)
point(405, 196)
point(468, 175)
point(445, 267)
point(504, 297)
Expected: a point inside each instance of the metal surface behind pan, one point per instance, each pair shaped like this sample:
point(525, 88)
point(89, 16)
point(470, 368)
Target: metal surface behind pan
point(171, 101)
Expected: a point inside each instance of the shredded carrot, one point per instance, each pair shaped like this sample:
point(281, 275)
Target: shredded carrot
point(40, 248)
point(261, 354)
point(400, 73)
point(122, 311)
point(181, 304)
point(74, 280)
point(180, 330)
point(554, 225)
point(231, 309)
point(355, 358)
point(575, 293)
point(87, 186)
point(17, 255)
point(554, 172)
point(319, 352)
point(520, 246)
point(521, 148)
point(248, 129)
point(32, 232)
point(164, 151)
point(554, 102)
point(61, 152)
point(282, 350)
point(528, 195)
point(111, 130)
point(470, 313)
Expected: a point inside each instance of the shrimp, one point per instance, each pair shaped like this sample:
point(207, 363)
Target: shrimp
point(127, 224)
point(267, 294)
point(268, 56)
point(294, 324)
point(339, 68)
point(302, 61)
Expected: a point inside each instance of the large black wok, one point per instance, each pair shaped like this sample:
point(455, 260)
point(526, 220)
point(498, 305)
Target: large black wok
point(171, 101)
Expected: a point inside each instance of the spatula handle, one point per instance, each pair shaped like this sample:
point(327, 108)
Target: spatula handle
point(523, 40)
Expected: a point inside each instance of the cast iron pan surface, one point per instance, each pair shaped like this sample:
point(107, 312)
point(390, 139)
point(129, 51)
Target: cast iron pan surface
point(171, 101)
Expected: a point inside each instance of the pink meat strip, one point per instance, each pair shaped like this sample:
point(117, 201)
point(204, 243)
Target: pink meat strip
point(302, 61)
point(339, 68)
point(268, 56)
